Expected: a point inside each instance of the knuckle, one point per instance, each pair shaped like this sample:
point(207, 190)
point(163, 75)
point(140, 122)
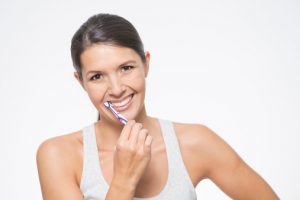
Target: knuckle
point(138, 125)
point(120, 146)
point(142, 135)
point(140, 153)
point(131, 149)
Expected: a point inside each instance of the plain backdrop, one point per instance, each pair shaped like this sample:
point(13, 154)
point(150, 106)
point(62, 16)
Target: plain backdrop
point(233, 66)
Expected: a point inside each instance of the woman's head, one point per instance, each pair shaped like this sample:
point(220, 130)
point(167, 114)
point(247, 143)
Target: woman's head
point(105, 29)
point(111, 65)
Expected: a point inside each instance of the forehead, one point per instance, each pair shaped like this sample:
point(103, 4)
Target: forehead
point(102, 56)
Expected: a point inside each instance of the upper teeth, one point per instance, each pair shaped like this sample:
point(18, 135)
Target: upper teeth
point(122, 103)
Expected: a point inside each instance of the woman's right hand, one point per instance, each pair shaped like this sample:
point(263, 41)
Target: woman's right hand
point(132, 154)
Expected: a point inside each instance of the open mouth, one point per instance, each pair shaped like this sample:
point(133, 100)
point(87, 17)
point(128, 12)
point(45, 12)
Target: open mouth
point(121, 105)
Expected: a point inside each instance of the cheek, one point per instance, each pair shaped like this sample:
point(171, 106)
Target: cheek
point(141, 84)
point(137, 82)
point(96, 93)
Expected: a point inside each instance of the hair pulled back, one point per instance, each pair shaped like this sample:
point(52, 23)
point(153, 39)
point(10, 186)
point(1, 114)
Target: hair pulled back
point(105, 29)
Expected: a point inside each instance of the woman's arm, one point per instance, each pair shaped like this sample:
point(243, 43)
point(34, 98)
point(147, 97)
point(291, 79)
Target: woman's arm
point(56, 171)
point(234, 176)
point(226, 169)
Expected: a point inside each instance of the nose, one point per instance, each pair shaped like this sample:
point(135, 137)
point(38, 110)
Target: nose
point(115, 87)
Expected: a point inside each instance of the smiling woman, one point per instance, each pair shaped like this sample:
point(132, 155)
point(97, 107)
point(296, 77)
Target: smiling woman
point(147, 158)
point(115, 74)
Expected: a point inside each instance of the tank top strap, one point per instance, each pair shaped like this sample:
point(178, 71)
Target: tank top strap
point(91, 173)
point(176, 166)
point(172, 147)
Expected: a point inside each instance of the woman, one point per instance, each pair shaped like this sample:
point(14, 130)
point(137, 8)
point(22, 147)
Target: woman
point(146, 158)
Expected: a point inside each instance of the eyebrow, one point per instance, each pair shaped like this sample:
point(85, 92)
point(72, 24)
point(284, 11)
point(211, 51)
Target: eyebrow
point(124, 63)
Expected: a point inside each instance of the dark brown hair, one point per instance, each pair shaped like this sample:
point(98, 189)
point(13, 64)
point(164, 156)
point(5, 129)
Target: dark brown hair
point(105, 29)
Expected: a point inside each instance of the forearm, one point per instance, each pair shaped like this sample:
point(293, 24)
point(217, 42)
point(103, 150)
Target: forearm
point(259, 188)
point(245, 183)
point(120, 192)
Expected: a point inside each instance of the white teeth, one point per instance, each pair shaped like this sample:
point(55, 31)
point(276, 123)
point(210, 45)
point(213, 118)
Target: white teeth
point(122, 103)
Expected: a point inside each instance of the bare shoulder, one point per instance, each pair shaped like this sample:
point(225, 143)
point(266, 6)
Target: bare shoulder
point(60, 146)
point(195, 130)
point(196, 136)
point(202, 149)
point(59, 162)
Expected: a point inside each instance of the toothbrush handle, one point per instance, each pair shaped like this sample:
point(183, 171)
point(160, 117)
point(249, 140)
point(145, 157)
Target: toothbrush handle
point(124, 121)
point(120, 117)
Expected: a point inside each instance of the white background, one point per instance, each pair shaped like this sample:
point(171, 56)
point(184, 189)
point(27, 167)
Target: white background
point(231, 65)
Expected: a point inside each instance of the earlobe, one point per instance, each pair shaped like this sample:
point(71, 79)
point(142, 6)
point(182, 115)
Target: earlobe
point(77, 76)
point(147, 61)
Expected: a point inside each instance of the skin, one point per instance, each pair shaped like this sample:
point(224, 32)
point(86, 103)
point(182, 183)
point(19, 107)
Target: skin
point(128, 151)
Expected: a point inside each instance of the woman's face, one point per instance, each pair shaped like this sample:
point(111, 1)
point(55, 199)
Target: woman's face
point(116, 74)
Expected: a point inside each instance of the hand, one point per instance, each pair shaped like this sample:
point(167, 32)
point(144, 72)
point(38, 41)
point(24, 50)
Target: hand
point(132, 155)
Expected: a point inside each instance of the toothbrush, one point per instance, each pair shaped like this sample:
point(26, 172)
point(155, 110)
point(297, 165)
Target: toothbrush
point(120, 117)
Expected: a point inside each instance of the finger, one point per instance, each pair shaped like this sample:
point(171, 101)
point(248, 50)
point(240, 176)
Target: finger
point(125, 134)
point(142, 137)
point(148, 141)
point(134, 133)
point(147, 146)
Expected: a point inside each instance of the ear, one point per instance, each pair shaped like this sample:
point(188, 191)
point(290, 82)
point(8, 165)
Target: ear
point(77, 76)
point(146, 64)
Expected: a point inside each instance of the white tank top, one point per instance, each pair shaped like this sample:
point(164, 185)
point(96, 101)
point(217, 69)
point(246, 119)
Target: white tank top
point(179, 185)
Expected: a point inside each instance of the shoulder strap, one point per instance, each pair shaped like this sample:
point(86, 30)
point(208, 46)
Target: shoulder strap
point(91, 172)
point(177, 169)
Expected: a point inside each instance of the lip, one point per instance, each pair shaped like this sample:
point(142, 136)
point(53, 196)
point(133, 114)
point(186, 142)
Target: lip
point(122, 108)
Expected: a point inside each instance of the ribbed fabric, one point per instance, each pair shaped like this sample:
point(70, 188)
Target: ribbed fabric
point(179, 186)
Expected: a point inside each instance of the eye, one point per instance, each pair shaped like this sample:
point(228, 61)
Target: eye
point(96, 77)
point(126, 68)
